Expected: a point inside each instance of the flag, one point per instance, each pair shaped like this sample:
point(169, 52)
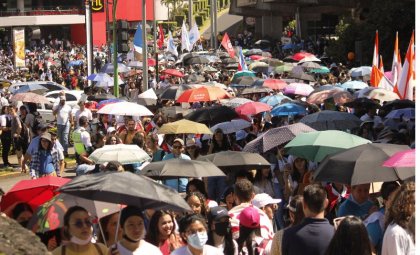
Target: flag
point(381, 64)
point(405, 85)
point(375, 61)
point(170, 46)
point(228, 45)
point(396, 63)
point(161, 37)
point(138, 40)
point(185, 41)
point(194, 36)
point(378, 79)
point(242, 64)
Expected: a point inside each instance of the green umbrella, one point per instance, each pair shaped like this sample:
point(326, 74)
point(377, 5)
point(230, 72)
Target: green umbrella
point(323, 69)
point(242, 74)
point(315, 146)
point(284, 68)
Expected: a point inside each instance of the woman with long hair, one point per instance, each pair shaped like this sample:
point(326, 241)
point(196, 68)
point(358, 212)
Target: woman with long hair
point(220, 231)
point(264, 180)
point(109, 229)
point(197, 202)
point(296, 177)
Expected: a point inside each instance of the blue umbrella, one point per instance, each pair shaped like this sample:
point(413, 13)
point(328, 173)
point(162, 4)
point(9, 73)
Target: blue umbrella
point(75, 63)
point(408, 113)
point(354, 85)
point(100, 77)
point(274, 99)
point(35, 88)
point(288, 109)
point(288, 46)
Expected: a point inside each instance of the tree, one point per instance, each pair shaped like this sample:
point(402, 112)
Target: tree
point(175, 4)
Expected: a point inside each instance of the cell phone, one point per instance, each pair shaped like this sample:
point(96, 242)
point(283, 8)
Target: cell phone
point(337, 222)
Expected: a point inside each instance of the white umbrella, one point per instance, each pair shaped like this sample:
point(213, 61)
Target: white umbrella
point(122, 153)
point(102, 84)
point(148, 97)
point(309, 59)
point(125, 109)
point(232, 126)
point(235, 102)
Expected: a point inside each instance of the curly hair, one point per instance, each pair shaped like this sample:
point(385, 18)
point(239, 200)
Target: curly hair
point(402, 206)
point(202, 199)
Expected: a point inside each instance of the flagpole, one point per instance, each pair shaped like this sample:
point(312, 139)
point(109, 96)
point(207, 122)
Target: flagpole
point(154, 38)
point(114, 48)
point(144, 48)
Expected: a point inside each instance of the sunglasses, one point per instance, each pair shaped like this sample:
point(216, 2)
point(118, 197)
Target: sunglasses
point(177, 147)
point(81, 223)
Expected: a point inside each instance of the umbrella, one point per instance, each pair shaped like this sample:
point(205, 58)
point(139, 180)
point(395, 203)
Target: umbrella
point(172, 111)
point(184, 127)
point(271, 83)
point(360, 71)
point(302, 76)
point(408, 113)
point(309, 59)
point(196, 60)
point(288, 109)
point(147, 98)
point(254, 90)
point(49, 216)
point(173, 92)
point(125, 109)
point(242, 73)
point(235, 102)
point(275, 99)
point(252, 108)
point(203, 94)
point(300, 55)
point(122, 153)
point(75, 63)
point(399, 104)
point(100, 77)
point(286, 68)
point(298, 89)
point(209, 69)
point(319, 97)
point(106, 102)
point(362, 164)
point(311, 65)
point(262, 42)
point(236, 160)
point(259, 67)
point(212, 115)
point(34, 88)
point(406, 158)
point(229, 60)
point(315, 146)
point(232, 126)
point(321, 70)
point(125, 188)
point(101, 97)
point(253, 52)
point(109, 68)
point(272, 61)
point(34, 192)
point(326, 87)
point(332, 120)
point(174, 168)
point(378, 93)
point(354, 85)
point(244, 80)
point(195, 78)
point(136, 64)
point(151, 62)
point(297, 70)
point(30, 97)
point(276, 137)
point(256, 57)
point(362, 102)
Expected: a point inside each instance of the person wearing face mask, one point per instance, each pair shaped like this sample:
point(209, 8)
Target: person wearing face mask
point(133, 233)
point(193, 231)
point(78, 230)
point(220, 234)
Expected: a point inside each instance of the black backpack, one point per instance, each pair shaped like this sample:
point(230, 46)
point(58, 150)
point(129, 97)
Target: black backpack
point(25, 135)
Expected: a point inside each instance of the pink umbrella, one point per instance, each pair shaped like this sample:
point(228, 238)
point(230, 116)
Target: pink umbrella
point(406, 158)
point(298, 89)
point(252, 108)
point(256, 57)
point(274, 84)
point(300, 55)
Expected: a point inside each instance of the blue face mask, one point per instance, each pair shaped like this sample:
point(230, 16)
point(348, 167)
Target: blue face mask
point(197, 240)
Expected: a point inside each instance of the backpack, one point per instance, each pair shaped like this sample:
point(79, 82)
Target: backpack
point(37, 121)
point(25, 135)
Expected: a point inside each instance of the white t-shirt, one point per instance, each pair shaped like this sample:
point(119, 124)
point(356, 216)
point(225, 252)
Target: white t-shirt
point(63, 114)
point(145, 248)
point(207, 250)
point(86, 112)
point(397, 241)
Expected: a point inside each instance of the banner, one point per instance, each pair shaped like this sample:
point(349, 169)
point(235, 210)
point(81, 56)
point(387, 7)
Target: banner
point(19, 46)
point(228, 45)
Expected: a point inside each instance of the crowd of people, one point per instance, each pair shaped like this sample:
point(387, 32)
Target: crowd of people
point(274, 210)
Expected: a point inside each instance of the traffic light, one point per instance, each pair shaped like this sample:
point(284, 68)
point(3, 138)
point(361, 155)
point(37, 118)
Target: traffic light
point(122, 36)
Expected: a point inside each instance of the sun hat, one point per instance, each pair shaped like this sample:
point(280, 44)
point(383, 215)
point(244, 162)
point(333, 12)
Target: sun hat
point(263, 199)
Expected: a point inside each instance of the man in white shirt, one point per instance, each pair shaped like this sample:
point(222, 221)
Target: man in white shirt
point(62, 111)
point(83, 111)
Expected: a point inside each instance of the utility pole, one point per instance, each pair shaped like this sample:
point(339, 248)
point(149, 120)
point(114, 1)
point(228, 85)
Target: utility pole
point(155, 48)
point(114, 48)
point(89, 50)
point(108, 41)
point(144, 53)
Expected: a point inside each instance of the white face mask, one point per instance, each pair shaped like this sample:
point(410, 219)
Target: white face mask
point(79, 241)
point(197, 240)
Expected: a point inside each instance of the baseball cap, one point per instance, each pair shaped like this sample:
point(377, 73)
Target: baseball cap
point(179, 140)
point(218, 212)
point(46, 136)
point(249, 217)
point(190, 142)
point(110, 130)
point(263, 199)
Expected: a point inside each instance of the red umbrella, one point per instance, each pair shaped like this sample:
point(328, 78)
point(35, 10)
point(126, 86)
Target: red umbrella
point(301, 55)
point(256, 57)
point(203, 94)
point(406, 158)
point(34, 192)
point(151, 62)
point(274, 84)
point(173, 72)
point(252, 108)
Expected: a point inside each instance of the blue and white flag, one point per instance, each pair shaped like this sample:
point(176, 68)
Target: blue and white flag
point(170, 45)
point(242, 62)
point(194, 36)
point(185, 41)
point(138, 40)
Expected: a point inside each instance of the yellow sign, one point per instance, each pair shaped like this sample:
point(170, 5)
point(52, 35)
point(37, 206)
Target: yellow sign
point(97, 5)
point(19, 46)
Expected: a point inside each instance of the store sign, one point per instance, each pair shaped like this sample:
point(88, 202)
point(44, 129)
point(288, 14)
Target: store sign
point(97, 5)
point(19, 46)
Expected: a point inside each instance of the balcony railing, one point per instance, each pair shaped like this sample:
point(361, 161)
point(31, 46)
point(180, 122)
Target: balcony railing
point(43, 12)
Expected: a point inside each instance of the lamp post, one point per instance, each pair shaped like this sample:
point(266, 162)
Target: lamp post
point(144, 49)
point(114, 48)
point(89, 50)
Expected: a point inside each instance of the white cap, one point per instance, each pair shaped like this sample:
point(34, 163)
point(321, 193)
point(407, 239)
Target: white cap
point(263, 199)
point(110, 130)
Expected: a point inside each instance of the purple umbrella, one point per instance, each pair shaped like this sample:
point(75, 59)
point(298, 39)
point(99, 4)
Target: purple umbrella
point(298, 89)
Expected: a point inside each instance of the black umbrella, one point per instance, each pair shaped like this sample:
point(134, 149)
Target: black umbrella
point(236, 160)
point(222, 55)
point(244, 80)
point(362, 164)
point(196, 60)
point(331, 120)
point(302, 76)
point(100, 97)
point(363, 102)
point(275, 137)
point(256, 89)
point(173, 92)
point(399, 104)
point(174, 168)
point(229, 61)
point(125, 188)
point(212, 115)
point(172, 111)
point(189, 55)
point(195, 78)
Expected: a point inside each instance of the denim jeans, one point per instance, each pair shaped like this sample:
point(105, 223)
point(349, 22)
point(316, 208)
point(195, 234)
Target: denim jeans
point(63, 136)
point(215, 187)
point(278, 216)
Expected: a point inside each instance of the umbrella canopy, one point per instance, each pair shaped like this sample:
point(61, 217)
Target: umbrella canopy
point(235, 102)
point(298, 89)
point(361, 165)
point(34, 88)
point(203, 94)
point(254, 90)
point(355, 85)
point(106, 102)
point(319, 97)
point(362, 102)
point(112, 187)
point(258, 67)
point(272, 61)
point(252, 108)
point(286, 68)
point(408, 113)
point(125, 109)
point(173, 92)
point(212, 115)
point(271, 83)
point(100, 77)
point(332, 120)
point(232, 126)
point(311, 65)
point(30, 97)
point(172, 111)
point(321, 70)
point(236, 160)
point(399, 104)
point(34, 192)
point(256, 57)
point(173, 72)
point(378, 93)
point(288, 109)
point(209, 69)
point(109, 68)
point(300, 55)
point(194, 78)
point(174, 168)
point(302, 76)
point(122, 153)
point(275, 99)
point(196, 60)
point(361, 71)
point(241, 74)
point(101, 97)
point(309, 59)
point(405, 158)
point(245, 81)
point(184, 127)
point(276, 137)
point(50, 215)
point(315, 146)
point(148, 97)
point(253, 52)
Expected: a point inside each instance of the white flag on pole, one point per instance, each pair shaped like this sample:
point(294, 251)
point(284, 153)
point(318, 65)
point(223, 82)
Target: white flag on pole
point(170, 45)
point(194, 36)
point(185, 42)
